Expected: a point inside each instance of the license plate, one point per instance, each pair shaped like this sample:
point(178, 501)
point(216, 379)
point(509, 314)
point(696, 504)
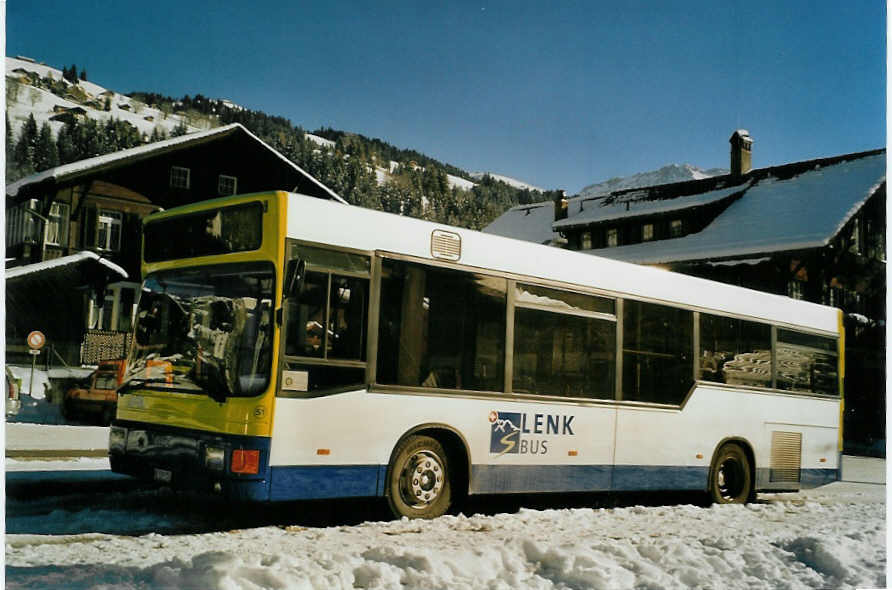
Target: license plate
point(162, 475)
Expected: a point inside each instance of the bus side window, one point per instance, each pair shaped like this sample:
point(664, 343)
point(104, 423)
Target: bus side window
point(305, 331)
point(807, 363)
point(658, 363)
point(439, 328)
point(734, 351)
point(347, 318)
point(564, 343)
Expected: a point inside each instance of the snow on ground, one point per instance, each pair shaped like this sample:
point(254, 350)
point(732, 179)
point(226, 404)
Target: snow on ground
point(831, 537)
point(55, 464)
point(23, 376)
point(507, 180)
point(22, 436)
point(326, 143)
point(459, 182)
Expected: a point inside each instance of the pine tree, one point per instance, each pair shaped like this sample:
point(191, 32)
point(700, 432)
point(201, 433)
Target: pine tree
point(26, 146)
point(83, 75)
point(65, 143)
point(10, 143)
point(46, 155)
point(179, 130)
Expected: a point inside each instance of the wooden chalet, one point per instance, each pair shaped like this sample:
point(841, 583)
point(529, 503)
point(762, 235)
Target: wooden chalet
point(96, 205)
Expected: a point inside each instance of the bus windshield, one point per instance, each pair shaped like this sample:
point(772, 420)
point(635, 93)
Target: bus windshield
point(205, 330)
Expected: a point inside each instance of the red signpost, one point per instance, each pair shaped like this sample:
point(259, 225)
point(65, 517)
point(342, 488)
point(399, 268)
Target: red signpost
point(35, 341)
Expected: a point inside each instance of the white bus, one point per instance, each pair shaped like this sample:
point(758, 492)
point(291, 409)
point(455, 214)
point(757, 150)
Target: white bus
point(288, 347)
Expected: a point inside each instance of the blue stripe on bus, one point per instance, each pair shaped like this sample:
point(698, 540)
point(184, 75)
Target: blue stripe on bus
point(313, 482)
point(812, 478)
point(648, 477)
point(579, 478)
point(345, 481)
point(492, 479)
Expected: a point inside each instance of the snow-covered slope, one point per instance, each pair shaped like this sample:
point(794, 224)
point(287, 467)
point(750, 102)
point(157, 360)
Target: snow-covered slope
point(665, 175)
point(23, 99)
point(320, 141)
point(507, 180)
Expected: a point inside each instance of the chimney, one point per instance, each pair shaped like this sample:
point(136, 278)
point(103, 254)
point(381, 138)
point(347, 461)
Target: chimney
point(741, 152)
point(560, 205)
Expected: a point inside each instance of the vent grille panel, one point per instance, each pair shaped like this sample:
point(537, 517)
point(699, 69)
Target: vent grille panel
point(786, 456)
point(445, 245)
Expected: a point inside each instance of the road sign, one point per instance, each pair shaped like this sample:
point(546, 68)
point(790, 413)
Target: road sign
point(36, 340)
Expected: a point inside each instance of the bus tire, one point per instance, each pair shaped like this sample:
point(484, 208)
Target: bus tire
point(419, 481)
point(730, 477)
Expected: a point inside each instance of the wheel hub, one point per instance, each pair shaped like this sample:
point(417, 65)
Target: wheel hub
point(422, 479)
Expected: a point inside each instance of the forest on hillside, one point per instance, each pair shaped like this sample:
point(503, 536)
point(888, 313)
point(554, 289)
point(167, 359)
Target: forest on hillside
point(417, 186)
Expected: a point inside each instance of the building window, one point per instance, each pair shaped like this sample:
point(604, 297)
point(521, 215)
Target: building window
point(586, 241)
point(108, 230)
point(794, 289)
point(675, 228)
point(227, 185)
point(22, 227)
point(855, 245)
point(612, 237)
point(57, 229)
point(179, 177)
point(647, 232)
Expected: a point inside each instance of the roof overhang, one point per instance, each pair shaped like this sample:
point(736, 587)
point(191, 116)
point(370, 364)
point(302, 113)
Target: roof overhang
point(77, 270)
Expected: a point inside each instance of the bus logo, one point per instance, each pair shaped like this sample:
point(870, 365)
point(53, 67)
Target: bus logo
point(526, 434)
point(505, 432)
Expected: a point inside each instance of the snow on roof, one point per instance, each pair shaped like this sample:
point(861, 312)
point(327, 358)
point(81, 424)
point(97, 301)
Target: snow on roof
point(805, 211)
point(27, 269)
point(531, 223)
point(633, 204)
point(107, 160)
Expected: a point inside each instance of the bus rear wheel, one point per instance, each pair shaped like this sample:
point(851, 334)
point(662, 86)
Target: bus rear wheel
point(730, 478)
point(419, 483)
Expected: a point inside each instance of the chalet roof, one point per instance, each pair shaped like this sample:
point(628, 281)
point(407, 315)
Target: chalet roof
point(636, 203)
point(74, 170)
point(531, 223)
point(785, 208)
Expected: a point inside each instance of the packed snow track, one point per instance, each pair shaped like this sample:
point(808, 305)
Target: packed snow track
point(118, 534)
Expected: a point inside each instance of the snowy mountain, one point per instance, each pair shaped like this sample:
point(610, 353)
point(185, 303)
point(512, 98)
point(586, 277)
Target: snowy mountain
point(28, 93)
point(665, 175)
point(507, 180)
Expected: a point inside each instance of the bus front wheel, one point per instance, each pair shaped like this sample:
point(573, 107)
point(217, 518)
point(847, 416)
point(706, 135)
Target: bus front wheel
point(419, 484)
point(730, 478)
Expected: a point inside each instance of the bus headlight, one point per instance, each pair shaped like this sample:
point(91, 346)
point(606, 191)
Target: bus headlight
point(214, 458)
point(117, 439)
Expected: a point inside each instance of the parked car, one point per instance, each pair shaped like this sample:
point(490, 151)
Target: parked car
point(97, 396)
point(13, 401)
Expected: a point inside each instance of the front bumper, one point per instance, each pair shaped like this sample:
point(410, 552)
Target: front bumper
point(187, 459)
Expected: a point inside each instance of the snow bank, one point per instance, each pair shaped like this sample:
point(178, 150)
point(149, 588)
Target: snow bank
point(833, 537)
point(56, 437)
point(23, 375)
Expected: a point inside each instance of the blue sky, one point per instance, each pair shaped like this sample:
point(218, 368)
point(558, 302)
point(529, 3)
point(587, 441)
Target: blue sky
point(559, 94)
